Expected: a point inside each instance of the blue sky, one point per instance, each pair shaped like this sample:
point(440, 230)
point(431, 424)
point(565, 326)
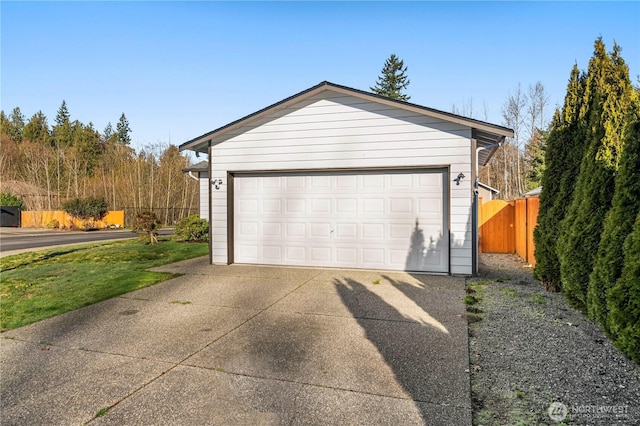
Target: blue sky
point(180, 69)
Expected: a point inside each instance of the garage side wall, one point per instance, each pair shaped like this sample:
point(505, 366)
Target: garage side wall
point(203, 183)
point(336, 131)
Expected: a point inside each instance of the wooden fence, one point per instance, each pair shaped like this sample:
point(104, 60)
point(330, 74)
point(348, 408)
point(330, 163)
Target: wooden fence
point(47, 219)
point(507, 227)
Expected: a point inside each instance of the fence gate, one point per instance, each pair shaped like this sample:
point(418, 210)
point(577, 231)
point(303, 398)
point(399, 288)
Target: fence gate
point(507, 227)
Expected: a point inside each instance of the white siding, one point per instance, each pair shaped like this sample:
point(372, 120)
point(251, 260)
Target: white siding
point(204, 195)
point(334, 131)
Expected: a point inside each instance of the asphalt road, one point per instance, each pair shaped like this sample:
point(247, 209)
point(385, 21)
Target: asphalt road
point(22, 239)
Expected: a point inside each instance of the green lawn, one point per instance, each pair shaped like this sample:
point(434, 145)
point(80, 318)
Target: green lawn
point(39, 285)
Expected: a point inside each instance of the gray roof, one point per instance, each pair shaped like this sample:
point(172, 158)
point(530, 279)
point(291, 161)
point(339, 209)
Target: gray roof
point(486, 134)
point(202, 166)
point(488, 188)
point(534, 192)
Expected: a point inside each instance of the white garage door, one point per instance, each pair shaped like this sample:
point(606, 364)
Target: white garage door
point(365, 219)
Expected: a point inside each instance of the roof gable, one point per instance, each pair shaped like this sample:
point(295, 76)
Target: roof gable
point(486, 134)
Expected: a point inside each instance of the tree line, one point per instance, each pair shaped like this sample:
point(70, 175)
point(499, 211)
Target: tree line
point(587, 242)
point(48, 165)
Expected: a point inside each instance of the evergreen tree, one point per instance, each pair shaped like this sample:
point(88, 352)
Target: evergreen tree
point(62, 133)
point(63, 117)
point(618, 223)
point(123, 131)
point(37, 129)
point(624, 299)
point(62, 138)
point(16, 124)
point(108, 134)
point(534, 156)
point(4, 124)
point(607, 96)
point(87, 142)
point(393, 80)
point(565, 146)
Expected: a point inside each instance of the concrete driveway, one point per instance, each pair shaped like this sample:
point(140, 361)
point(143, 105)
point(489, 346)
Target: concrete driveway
point(249, 345)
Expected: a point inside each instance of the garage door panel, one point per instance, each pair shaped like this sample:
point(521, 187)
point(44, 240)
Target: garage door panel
point(247, 252)
point(321, 255)
point(296, 255)
point(249, 205)
point(320, 230)
point(271, 205)
point(295, 182)
point(272, 252)
point(346, 255)
point(373, 181)
point(401, 181)
point(295, 230)
point(373, 205)
point(347, 230)
point(373, 230)
point(346, 205)
point(249, 229)
point(275, 182)
point(367, 219)
point(272, 229)
point(296, 205)
point(320, 182)
point(346, 181)
point(320, 205)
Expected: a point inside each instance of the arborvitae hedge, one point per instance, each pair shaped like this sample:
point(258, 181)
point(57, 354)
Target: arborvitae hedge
point(618, 223)
point(607, 96)
point(624, 299)
point(565, 146)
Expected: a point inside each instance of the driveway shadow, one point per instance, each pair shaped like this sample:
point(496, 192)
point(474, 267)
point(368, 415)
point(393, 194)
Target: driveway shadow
point(421, 333)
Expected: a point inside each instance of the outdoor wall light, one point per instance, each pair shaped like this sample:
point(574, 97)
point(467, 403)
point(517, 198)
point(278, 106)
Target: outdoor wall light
point(459, 178)
point(216, 183)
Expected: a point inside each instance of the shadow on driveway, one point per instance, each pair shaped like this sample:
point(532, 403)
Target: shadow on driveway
point(420, 330)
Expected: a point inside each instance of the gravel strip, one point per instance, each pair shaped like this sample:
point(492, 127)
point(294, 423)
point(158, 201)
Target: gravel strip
point(528, 349)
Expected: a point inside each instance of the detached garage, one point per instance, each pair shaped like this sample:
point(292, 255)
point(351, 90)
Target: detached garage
point(338, 177)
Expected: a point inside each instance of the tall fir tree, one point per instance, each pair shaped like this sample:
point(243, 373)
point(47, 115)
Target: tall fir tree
point(63, 116)
point(393, 80)
point(608, 93)
point(16, 124)
point(123, 131)
point(624, 299)
point(62, 134)
point(563, 155)
point(618, 222)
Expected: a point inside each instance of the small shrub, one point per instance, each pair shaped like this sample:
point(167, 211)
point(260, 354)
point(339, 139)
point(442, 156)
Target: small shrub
point(470, 300)
point(147, 225)
point(10, 200)
point(193, 229)
point(87, 209)
point(54, 224)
